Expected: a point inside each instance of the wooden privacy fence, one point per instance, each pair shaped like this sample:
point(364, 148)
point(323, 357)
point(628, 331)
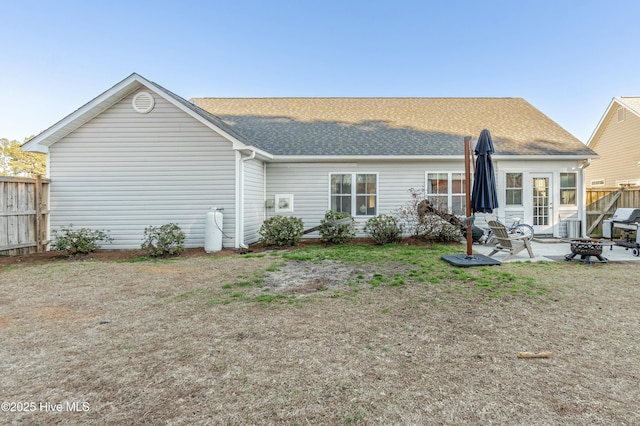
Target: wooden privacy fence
point(24, 211)
point(603, 202)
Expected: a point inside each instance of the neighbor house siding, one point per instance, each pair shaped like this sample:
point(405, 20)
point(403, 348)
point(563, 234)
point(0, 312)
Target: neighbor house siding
point(309, 183)
point(253, 199)
point(123, 171)
point(619, 148)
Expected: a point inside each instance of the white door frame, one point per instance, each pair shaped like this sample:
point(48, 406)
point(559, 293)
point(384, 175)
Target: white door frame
point(540, 204)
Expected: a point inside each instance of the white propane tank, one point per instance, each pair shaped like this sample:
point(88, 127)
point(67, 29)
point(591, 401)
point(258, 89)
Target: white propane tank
point(213, 231)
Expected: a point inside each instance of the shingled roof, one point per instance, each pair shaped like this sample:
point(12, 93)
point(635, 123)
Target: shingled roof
point(630, 102)
point(391, 126)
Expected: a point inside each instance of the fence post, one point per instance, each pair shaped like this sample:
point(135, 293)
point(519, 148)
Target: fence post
point(38, 205)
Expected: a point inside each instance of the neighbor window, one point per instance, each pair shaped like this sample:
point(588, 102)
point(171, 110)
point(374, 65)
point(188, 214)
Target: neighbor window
point(446, 191)
point(360, 199)
point(513, 189)
point(568, 188)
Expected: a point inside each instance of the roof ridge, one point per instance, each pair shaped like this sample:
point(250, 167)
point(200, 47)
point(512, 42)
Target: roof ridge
point(363, 97)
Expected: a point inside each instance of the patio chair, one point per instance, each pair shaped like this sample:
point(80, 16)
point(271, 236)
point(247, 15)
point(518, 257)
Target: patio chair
point(511, 243)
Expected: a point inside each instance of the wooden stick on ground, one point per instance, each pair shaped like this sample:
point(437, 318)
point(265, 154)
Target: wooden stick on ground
point(534, 355)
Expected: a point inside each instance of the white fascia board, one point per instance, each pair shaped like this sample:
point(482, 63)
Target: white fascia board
point(352, 158)
point(83, 114)
point(544, 157)
point(107, 99)
point(603, 118)
point(237, 144)
point(399, 158)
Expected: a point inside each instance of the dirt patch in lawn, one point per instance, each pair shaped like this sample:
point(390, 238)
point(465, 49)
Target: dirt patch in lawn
point(300, 277)
point(195, 341)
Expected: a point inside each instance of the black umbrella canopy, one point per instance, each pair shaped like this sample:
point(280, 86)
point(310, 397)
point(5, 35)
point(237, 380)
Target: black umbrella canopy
point(484, 196)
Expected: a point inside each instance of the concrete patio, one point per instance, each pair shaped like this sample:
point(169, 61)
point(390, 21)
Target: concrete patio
point(551, 249)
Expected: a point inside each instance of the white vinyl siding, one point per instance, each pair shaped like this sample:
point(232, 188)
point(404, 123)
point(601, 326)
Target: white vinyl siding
point(309, 183)
point(253, 200)
point(123, 171)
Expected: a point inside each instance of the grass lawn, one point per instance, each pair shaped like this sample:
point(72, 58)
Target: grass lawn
point(352, 334)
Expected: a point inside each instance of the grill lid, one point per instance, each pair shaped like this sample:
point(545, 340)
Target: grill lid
point(626, 215)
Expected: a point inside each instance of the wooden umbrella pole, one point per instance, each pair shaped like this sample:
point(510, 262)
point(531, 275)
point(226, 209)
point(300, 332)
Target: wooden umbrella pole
point(467, 182)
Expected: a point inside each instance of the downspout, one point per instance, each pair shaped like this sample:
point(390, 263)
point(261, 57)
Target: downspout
point(264, 191)
point(47, 174)
point(240, 212)
point(582, 212)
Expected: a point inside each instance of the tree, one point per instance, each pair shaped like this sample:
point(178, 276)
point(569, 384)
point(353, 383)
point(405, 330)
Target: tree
point(16, 162)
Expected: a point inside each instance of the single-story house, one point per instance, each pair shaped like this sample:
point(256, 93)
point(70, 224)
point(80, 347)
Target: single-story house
point(616, 138)
point(140, 155)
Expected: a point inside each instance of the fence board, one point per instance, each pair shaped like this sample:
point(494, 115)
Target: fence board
point(24, 213)
point(603, 202)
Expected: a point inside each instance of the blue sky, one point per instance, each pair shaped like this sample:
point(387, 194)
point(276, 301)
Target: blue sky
point(567, 58)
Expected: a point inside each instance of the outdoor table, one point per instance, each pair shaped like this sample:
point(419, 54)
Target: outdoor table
point(586, 248)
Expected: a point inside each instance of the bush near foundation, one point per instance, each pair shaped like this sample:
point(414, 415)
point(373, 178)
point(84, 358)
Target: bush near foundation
point(337, 233)
point(165, 240)
point(384, 229)
point(281, 231)
point(78, 241)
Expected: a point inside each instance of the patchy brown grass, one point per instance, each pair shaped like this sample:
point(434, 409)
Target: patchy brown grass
point(212, 340)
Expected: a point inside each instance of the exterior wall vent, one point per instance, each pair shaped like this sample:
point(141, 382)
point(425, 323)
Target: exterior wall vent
point(597, 182)
point(621, 114)
point(143, 102)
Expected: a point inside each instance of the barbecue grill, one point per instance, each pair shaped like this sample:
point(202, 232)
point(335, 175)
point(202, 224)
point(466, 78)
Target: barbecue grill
point(628, 221)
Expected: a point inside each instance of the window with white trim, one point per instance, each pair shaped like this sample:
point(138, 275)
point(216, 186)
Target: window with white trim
point(513, 189)
point(360, 199)
point(446, 191)
point(568, 188)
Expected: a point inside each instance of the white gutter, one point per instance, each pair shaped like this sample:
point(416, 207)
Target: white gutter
point(354, 158)
point(240, 198)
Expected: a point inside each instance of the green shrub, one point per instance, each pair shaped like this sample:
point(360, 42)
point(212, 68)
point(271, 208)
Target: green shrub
point(78, 241)
point(337, 233)
point(165, 240)
point(281, 231)
point(384, 229)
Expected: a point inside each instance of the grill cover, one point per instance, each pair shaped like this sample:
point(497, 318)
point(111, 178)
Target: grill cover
point(626, 215)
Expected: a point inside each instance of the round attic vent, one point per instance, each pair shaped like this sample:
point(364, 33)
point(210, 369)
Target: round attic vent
point(143, 102)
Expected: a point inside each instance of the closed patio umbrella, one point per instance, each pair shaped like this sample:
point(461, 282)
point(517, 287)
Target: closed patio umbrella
point(484, 196)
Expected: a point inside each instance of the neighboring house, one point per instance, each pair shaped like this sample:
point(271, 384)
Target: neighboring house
point(139, 155)
point(617, 141)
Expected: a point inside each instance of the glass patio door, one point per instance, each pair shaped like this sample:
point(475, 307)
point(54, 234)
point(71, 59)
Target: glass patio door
point(541, 203)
